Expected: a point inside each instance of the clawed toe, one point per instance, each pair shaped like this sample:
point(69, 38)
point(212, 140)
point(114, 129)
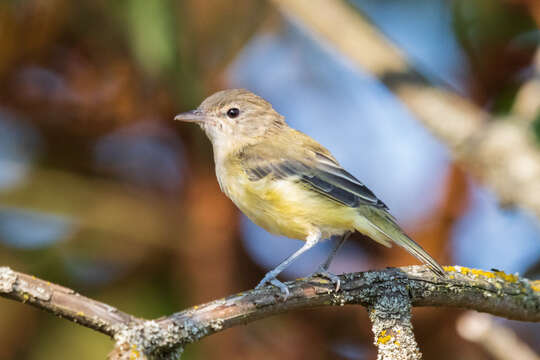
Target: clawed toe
point(273, 281)
point(284, 289)
point(322, 272)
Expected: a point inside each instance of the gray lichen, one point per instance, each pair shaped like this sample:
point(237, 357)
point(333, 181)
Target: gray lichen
point(148, 338)
point(8, 278)
point(392, 328)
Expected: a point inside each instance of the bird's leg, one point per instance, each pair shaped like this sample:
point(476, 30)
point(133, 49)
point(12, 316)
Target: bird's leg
point(323, 269)
point(337, 246)
point(270, 276)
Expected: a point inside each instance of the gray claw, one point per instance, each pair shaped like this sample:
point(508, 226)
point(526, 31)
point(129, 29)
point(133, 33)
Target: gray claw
point(322, 272)
point(284, 289)
point(276, 283)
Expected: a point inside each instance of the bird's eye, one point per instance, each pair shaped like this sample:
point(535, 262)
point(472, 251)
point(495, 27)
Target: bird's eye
point(233, 112)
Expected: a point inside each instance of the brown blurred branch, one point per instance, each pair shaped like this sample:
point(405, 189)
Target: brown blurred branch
point(526, 106)
point(93, 204)
point(500, 153)
point(388, 294)
point(497, 339)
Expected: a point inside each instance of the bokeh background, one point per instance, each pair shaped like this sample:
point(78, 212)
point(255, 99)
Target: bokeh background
point(102, 192)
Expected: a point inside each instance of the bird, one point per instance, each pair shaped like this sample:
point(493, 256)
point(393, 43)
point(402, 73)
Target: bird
point(289, 184)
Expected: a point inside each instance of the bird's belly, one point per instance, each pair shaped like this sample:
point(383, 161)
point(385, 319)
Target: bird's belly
point(287, 208)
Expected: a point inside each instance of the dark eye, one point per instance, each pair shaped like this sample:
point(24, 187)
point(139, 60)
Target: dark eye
point(233, 112)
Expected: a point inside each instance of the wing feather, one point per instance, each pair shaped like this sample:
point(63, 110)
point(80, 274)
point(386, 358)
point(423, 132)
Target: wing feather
point(318, 171)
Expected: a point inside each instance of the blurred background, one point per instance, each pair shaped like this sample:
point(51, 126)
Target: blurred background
point(102, 192)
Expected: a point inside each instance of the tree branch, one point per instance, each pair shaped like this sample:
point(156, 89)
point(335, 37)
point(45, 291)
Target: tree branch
point(386, 293)
point(62, 302)
point(392, 327)
point(500, 153)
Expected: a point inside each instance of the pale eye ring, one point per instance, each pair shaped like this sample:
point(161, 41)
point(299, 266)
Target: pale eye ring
point(233, 112)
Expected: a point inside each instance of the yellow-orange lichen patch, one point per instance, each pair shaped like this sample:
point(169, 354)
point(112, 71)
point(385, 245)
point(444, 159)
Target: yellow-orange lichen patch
point(506, 277)
point(134, 354)
point(535, 285)
point(383, 338)
point(487, 274)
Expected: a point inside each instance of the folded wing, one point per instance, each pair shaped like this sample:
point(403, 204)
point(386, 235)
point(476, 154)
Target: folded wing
point(318, 171)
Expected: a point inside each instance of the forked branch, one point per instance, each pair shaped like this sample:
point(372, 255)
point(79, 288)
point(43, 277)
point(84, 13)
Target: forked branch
point(382, 292)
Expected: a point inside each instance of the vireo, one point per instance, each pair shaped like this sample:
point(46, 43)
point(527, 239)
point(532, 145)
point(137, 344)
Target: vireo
point(289, 184)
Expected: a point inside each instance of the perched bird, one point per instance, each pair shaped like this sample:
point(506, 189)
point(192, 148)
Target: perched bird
point(289, 184)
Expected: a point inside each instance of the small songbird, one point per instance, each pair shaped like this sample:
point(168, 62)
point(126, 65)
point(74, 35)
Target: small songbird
point(289, 184)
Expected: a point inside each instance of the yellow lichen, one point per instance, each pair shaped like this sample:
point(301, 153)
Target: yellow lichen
point(383, 338)
point(323, 281)
point(396, 343)
point(535, 285)
point(506, 277)
point(134, 354)
point(80, 313)
point(26, 297)
point(487, 274)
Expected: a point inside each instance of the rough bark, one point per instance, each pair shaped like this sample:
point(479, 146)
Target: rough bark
point(388, 295)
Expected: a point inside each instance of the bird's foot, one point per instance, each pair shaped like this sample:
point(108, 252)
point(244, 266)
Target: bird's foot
point(323, 272)
point(270, 278)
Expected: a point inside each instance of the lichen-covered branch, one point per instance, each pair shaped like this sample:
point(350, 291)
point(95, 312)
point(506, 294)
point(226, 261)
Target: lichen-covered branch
point(392, 327)
point(383, 292)
point(500, 153)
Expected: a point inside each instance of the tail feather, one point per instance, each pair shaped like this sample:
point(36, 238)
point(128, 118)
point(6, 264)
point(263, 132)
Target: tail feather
point(387, 226)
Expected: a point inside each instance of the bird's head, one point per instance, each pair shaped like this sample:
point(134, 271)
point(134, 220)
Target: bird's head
point(234, 116)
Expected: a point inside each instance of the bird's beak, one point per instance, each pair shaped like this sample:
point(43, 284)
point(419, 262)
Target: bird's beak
point(195, 116)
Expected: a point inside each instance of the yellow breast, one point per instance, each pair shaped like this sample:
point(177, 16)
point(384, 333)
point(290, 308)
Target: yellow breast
point(286, 207)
